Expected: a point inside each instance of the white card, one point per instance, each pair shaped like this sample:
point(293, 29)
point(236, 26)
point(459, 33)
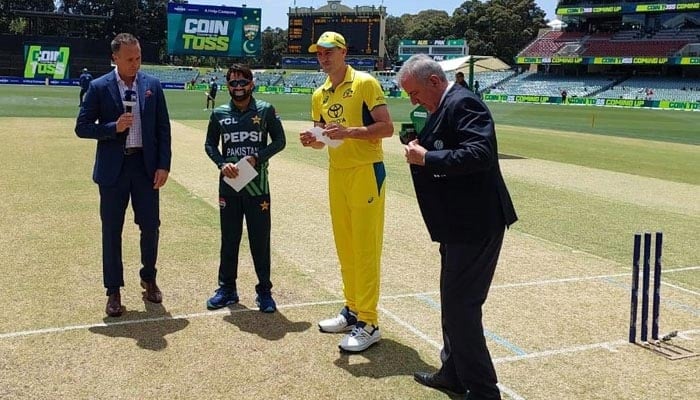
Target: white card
point(246, 173)
point(318, 134)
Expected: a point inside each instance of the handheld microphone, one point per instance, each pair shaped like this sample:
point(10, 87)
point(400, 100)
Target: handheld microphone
point(129, 104)
point(128, 101)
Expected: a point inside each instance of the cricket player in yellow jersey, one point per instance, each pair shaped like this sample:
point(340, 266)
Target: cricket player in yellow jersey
point(350, 106)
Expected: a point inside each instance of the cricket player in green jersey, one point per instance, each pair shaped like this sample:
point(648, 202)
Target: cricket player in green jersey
point(248, 130)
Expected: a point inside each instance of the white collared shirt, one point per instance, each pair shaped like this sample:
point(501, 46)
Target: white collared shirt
point(133, 139)
point(442, 99)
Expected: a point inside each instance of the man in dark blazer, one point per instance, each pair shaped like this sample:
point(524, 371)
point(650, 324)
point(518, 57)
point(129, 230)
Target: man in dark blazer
point(84, 81)
point(125, 111)
point(466, 208)
point(459, 79)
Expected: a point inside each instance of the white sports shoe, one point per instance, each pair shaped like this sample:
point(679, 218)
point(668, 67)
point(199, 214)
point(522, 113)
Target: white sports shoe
point(343, 322)
point(360, 338)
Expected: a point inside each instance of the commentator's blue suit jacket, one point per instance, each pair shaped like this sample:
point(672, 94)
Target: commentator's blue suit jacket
point(103, 104)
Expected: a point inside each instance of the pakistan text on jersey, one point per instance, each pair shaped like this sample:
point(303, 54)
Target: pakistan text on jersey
point(242, 136)
point(241, 152)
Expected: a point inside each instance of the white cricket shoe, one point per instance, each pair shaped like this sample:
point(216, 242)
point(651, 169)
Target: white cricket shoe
point(360, 338)
point(343, 322)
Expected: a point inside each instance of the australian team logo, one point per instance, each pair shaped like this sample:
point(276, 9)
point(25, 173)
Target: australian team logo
point(250, 31)
point(347, 93)
point(251, 44)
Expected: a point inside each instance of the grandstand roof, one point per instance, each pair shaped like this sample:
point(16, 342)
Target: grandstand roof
point(481, 63)
point(557, 24)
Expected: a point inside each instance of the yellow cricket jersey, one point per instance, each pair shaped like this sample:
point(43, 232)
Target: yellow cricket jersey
point(350, 105)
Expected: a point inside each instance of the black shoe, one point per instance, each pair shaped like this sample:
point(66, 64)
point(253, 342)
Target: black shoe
point(153, 293)
point(114, 306)
point(435, 381)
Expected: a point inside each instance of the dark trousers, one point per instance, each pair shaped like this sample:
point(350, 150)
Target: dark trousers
point(256, 210)
point(465, 277)
point(211, 98)
point(134, 183)
point(82, 93)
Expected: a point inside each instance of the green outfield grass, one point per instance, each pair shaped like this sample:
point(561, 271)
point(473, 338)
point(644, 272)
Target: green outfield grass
point(562, 134)
point(666, 126)
point(560, 295)
point(586, 136)
point(561, 215)
point(654, 159)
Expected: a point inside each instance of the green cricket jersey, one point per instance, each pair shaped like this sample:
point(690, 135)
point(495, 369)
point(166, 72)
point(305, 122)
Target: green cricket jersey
point(256, 132)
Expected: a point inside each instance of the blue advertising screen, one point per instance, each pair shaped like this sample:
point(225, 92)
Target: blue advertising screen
point(213, 31)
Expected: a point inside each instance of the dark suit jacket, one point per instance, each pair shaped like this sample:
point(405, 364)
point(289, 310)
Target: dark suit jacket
point(103, 104)
point(460, 190)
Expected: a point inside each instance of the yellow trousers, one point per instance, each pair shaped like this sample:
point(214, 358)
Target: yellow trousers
point(357, 213)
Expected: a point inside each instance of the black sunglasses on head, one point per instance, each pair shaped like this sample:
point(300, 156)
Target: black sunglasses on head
point(238, 82)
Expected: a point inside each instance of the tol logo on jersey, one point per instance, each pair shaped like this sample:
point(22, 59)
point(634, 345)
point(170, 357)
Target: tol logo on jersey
point(242, 136)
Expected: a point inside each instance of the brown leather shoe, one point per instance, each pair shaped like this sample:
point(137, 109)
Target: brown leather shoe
point(153, 294)
point(114, 305)
point(436, 381)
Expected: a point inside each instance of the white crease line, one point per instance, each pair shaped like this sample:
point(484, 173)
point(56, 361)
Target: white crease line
point(575, 250)
point(610, 346)
point(156, 319)
point(115, 323)
point(561, 280)
point(411, 328)
point(547, 353)
point(173, 317)
point(391, 315)
point(510, 392)
point(595, 277)
point(565, 246)
point(398, 296)
point(553, 281)
point(681, 269)
point(682, 289)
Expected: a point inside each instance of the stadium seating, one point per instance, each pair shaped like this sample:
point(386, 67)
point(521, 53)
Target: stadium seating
point(217, 73)
point(635, 88)
point(490, 79)
point(551, 43)
point(387, 82)
point(267, 78)
point(640, 48)
point(171, 74)
point(487, 79)
point(304, 79)
point(655, 88)
point(629, 43)
point(530, 83)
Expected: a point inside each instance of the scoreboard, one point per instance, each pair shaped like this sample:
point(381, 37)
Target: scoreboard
point(361, 32)
point(438, 50)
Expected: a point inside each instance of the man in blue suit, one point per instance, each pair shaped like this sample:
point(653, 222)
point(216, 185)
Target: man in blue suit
point(125, 111)
point(466, 207)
